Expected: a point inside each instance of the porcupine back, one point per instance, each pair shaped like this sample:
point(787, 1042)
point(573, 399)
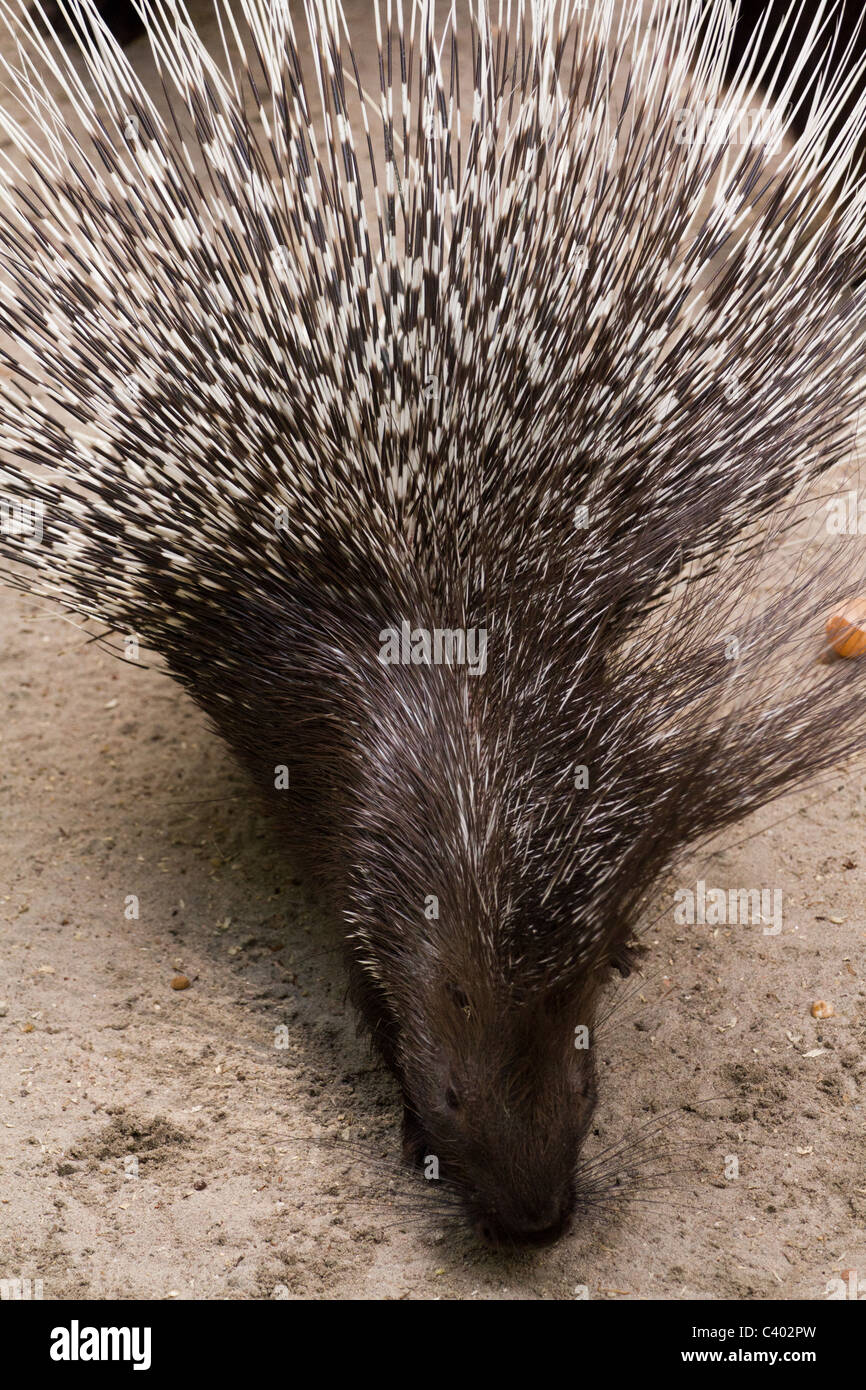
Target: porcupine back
point(273, 404)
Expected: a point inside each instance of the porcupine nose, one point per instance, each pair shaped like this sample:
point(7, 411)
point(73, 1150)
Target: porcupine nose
point(535, 1228)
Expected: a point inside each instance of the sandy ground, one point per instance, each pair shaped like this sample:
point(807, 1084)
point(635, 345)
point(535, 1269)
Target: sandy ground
point(235, 1139)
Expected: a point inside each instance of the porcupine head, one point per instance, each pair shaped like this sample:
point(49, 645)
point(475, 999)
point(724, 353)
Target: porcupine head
point(423, 478)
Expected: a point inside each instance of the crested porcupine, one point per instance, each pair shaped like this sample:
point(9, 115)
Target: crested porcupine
point(442, 485)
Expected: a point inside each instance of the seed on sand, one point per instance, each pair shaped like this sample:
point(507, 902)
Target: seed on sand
point(846, 628)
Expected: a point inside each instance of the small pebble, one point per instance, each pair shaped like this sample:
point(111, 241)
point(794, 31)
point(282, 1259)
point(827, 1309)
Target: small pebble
point(820, 1009)
point(180, 982)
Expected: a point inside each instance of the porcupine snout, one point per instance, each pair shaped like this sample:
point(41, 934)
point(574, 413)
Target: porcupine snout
point(516, 1168)
point(520, 1189)
point(541, 1225)
point(498, 1103)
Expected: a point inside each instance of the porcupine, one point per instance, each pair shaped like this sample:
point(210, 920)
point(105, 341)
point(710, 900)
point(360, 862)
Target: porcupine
point(566, 389)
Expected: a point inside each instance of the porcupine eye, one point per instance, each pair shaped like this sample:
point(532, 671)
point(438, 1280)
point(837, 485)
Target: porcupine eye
point(460, 999)
point(452, 1100)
